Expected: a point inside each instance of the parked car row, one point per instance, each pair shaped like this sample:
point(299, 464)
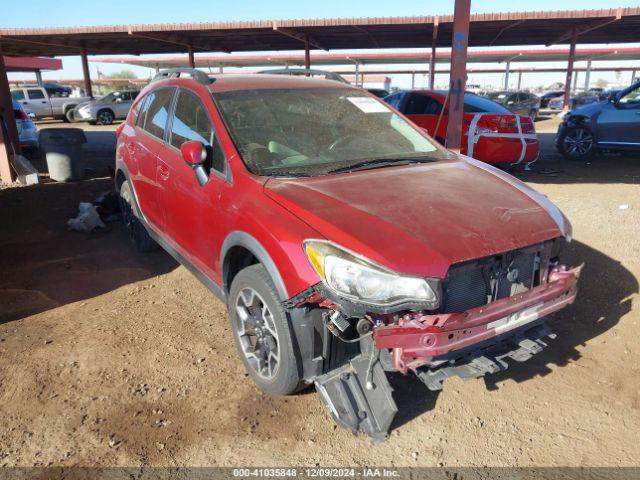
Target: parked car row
point(42, 104)
point(105, 110)
point(524, 103)
point(491, 132)
point(27, 131)
point(611, 124)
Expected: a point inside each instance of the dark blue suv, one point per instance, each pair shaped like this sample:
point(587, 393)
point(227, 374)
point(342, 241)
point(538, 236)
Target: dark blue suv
point(612, 124)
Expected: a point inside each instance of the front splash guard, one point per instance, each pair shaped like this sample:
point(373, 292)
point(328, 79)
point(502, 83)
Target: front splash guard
point(352, 405)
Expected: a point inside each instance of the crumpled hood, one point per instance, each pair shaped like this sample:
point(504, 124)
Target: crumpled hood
point(421, 218)
point(588, 110)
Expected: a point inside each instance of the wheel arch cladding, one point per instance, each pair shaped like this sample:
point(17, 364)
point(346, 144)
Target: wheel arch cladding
point(240, 250)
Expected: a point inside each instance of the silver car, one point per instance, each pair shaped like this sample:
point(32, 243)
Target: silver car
point(104, 110)
point(27, 131)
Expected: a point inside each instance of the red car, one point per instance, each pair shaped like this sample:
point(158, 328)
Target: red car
point(345, 242)
point(490, 132)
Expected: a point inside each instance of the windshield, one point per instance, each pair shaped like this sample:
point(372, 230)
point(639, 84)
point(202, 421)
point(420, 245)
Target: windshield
point(316, 131)
point(477, 104)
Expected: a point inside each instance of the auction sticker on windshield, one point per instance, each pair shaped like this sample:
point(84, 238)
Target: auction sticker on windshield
point(368, 105)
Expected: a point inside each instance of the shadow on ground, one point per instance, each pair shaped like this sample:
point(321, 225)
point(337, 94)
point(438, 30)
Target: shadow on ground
point(602, 167)
point(45, 266)
point(604, 297)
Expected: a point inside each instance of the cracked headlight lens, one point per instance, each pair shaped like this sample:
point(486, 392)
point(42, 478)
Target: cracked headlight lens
point(358, 278)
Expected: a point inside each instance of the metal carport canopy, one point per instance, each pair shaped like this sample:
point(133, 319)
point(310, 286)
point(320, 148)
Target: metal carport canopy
point(615, 25)
point(381, 58)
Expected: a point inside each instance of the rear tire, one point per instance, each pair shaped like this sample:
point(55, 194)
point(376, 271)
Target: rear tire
point(69, 116)
point(105, 117)
point(261, 332)
point(138, 235)
point(576, 143)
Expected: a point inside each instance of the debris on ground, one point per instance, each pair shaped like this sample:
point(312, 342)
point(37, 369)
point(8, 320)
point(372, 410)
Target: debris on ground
point(25, 171)
point(108, 206)
point(93, 217)
point(88, 219)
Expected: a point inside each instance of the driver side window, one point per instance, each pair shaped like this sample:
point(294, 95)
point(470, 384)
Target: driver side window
point(631, 99)
point(191, 122)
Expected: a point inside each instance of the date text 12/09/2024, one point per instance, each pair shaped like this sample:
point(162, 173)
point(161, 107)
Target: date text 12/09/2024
point(316, 472)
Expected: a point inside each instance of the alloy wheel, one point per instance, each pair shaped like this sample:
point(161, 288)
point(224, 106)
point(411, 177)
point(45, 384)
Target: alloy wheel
point(105, 118)
point(578, 142)
point(257, 334)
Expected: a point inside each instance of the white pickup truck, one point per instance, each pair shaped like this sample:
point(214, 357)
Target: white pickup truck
point(37, 100)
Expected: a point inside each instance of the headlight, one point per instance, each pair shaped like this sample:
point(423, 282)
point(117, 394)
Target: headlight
point(357, 278)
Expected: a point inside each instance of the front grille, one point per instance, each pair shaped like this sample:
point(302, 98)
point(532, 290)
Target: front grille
point(478, 282)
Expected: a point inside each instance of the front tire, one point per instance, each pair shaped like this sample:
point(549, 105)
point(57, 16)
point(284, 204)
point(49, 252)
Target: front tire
point(105, 117)
point(261, 332)
point(138, 235)
point(576, 143)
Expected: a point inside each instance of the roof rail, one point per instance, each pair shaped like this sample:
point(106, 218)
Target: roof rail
point(198, 75)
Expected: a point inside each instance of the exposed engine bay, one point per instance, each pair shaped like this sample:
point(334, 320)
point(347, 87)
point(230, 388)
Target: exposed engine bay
point(490, 311)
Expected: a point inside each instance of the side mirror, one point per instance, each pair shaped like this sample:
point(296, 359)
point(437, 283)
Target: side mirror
point(194, 153)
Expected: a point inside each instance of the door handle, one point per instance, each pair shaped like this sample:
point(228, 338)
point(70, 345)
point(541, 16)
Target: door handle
point(25, 103)
point(43, 101)
point(638, 112)
point(163, 172)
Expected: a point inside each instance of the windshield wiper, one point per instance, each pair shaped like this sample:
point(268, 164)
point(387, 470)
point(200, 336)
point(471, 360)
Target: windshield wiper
point(287, 173)
point(380, 162)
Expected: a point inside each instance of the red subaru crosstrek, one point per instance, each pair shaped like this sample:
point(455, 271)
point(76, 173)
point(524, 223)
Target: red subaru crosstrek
point(345, 242)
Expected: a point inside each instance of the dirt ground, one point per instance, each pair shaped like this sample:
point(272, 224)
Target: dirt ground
point(109, 357)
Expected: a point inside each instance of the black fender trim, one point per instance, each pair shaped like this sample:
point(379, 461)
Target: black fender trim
point(242, 239)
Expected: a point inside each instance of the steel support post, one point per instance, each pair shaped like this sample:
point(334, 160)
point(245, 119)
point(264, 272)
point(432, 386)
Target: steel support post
point(567, 83)
point(506, 77)
point(192, 57)
point(519, 80)
point(458, 77)
point(587, 76)
point(432, 59)
point(88, 91)
point(307, 53)
point(9, 141)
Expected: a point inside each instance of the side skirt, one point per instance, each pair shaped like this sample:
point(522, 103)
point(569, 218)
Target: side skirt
point(206, 281)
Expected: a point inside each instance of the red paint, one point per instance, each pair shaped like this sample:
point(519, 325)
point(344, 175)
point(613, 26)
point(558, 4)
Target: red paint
point(416, 219)
point(494, 150)
point(192, 152)
point(418, 338)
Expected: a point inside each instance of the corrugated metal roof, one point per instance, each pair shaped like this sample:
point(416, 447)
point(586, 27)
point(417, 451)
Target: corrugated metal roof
point(492, 29)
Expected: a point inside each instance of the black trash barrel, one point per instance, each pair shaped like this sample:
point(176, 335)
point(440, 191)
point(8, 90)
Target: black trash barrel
point(62, 148)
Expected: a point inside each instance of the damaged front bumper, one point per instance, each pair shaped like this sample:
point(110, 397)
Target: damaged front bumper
point(438, 346)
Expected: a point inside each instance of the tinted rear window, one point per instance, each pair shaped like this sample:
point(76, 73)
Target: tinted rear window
point(477, 104)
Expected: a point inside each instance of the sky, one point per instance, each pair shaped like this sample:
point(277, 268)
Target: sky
point(44, 13)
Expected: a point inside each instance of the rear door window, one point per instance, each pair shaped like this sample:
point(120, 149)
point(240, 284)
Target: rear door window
point(35, 94)
point(156, 112)
point(420, 104)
